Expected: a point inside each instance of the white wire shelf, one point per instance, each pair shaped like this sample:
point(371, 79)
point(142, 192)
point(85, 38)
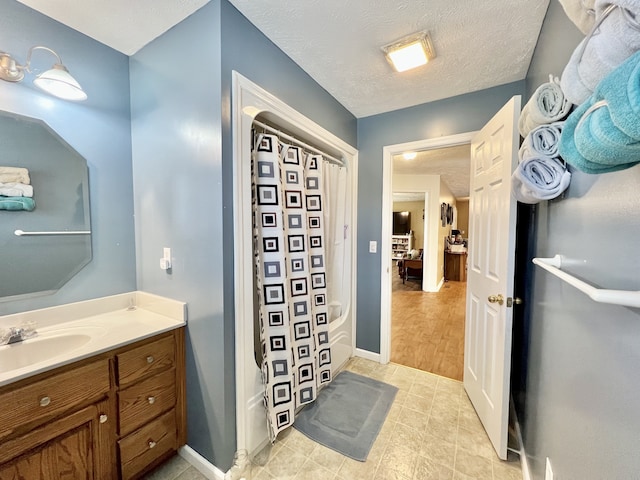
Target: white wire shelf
point(627, 298)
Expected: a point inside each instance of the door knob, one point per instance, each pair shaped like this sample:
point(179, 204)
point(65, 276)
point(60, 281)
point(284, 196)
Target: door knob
point(499, 299)
point(513, 301)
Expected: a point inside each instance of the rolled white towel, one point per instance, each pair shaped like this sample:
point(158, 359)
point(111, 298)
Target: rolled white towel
point(542, 141)
point(14, 175)
point(615, 40)
point(632, 6)
point(539, 178)
point(16, 190)
point(547, 105)
point(571, 83)
point(580, 12)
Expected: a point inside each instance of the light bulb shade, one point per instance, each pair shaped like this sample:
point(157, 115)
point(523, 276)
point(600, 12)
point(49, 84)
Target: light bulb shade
point(9, 69)
point(59, 83)
point(410, 52)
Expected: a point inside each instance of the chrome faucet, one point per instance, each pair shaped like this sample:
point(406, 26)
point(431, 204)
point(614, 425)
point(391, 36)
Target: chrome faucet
point(15, 335)
point(18, 334)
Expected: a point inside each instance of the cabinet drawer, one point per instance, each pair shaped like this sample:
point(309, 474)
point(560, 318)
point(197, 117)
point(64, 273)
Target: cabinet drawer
point(140, 448)
point(144, 360)
point(53, 395)
point(145, 400)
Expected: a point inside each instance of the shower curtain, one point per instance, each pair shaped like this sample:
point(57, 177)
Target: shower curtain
point(335, 209)
point(289, 250)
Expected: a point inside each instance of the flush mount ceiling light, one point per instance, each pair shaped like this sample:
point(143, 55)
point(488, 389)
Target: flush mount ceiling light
point(56, 81)
point(409, 155)
point(410, 52)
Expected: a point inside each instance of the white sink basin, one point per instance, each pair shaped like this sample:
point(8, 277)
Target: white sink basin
point(44, 347)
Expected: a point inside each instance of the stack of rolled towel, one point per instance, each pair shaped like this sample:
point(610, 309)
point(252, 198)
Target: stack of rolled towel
point(541, 174)
point(603, 134)
point(16, 192)
point(614, 37)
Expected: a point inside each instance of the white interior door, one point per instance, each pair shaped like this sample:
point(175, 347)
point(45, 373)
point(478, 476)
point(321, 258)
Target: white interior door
point(492, 223)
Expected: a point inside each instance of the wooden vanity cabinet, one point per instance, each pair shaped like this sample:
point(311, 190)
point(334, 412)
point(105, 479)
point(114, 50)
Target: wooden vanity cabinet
point(151, 407)
point(76, 446)
point(112, 416)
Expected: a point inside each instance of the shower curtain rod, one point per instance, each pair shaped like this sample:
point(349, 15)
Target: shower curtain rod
point(302, 144)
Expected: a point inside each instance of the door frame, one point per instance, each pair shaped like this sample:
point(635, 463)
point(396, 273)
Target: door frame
point(388, 151)
point(249, 101)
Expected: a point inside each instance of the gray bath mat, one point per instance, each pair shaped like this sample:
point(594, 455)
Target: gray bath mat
point(348, 414)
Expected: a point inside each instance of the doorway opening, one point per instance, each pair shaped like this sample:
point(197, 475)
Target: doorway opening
point(251, 101)
point(423, 300)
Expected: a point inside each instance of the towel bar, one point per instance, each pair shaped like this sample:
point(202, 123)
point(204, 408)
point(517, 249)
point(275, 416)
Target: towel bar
point(627, 298)
point(22, 233)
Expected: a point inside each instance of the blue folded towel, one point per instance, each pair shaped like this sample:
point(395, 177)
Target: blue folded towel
point(603, 134)
point(17, 203)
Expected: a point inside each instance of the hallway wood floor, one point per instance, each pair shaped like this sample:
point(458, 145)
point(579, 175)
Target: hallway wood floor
point(427, 329)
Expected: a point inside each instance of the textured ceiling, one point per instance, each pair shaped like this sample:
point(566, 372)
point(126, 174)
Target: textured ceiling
point(451, 163)
point(125, 25)
point(479, 44)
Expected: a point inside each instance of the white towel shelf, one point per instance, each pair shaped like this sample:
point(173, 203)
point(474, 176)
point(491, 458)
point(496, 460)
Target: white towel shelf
point(628, 298)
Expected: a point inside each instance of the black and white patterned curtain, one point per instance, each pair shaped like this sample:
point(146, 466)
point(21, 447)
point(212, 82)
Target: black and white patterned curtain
point(290, 261)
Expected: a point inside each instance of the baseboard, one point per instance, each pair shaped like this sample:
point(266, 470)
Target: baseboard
point(201, 464)
point(526, 473)
point(366, 354)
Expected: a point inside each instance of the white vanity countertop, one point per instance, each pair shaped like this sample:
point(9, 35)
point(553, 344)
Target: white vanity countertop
point(72, 332)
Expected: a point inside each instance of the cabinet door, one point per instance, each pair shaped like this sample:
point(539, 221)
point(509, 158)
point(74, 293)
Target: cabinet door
point(75, 447)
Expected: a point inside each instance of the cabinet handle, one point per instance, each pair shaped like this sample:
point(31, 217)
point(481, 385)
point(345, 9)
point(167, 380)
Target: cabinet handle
point(152, 444)
point(44, 401)
point(103, 418)
point(150, 359)
point(151, 400)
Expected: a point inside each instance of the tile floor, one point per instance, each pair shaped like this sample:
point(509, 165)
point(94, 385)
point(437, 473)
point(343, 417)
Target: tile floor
point(431, 432)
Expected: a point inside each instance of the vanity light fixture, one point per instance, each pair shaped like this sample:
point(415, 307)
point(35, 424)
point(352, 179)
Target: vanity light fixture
point(409, 155)
point(410, 52)
point(56, 81)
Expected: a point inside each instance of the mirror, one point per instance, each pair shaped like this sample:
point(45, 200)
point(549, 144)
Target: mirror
point(56, 242)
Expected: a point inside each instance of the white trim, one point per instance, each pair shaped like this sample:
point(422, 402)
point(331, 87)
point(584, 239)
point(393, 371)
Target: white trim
point(388, 152)
point(250, 100)
point(368, 355)
point(200, 463)
point(526, 472)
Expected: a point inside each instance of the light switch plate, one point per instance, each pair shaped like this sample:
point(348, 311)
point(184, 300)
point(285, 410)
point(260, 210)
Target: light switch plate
point(373, 246)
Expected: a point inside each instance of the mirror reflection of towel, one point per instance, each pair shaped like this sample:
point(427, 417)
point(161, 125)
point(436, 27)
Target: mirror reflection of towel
point(16, 190)
point(17, 203)
point(14, 174)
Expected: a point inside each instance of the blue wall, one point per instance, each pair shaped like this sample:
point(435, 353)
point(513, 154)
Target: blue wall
point(99, 129)
point(178, 197)
point(583, 380)
point(464, 113)
point(181, 124)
